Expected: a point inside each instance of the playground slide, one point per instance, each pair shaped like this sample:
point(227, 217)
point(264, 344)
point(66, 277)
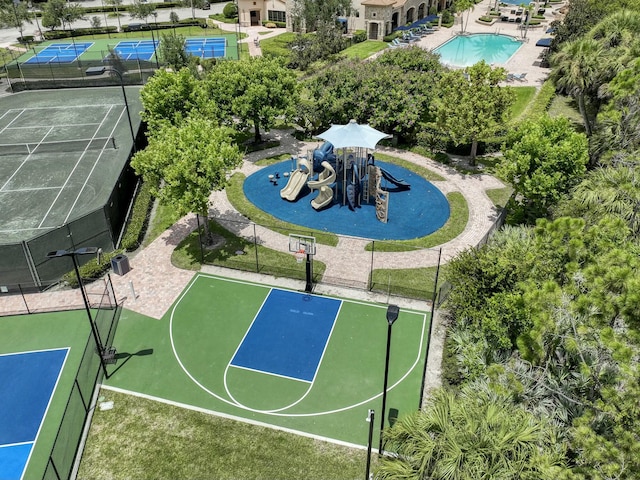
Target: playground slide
point(325, 178)
point(401, 184)
point(297, 181)
point(324, 198)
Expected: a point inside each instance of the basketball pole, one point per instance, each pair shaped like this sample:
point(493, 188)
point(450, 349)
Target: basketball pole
point(308, 288)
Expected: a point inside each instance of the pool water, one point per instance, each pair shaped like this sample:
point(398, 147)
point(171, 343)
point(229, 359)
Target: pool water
point(467, 50)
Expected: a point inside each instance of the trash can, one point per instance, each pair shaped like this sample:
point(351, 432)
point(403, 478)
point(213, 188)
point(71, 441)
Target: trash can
point(120, 264)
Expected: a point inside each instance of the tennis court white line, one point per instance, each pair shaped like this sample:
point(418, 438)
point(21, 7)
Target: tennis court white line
point(13, 230)
point(92, 105)
point(68, 179)
point(16, 444)
point(34, 189)
point(21, 110)
point(21, 164)
point(86, 180)
point(47, 126)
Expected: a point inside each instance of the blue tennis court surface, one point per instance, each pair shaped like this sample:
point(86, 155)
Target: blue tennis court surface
point(136, 50)
point(60, 53)
point(27, 383)
point(206, 47)
point(289, 335)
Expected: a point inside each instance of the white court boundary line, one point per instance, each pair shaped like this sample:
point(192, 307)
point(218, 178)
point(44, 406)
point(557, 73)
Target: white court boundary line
point(227, 416)
point(280, 414)
point(46, 410)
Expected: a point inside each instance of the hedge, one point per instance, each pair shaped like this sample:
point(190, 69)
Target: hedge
point(91, 270)
point(139, 218)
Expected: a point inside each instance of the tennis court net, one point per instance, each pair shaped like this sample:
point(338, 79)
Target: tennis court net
point(56, 147)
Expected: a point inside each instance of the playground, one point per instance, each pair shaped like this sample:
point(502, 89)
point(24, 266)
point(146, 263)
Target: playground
point(339, 187)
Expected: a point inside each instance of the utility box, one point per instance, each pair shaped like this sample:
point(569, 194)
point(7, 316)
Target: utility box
point(120, 264)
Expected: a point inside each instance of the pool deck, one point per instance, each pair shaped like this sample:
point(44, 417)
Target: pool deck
point(525, 60)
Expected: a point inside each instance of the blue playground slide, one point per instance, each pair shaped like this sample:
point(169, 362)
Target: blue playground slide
point(323, 154)
point(400, 184)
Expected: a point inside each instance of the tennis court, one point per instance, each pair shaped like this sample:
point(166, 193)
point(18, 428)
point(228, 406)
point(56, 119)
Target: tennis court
point(60, 53)
point(61, 151)
point(27, 383)
point(305, 363)
point(39, 358)
point(206, 47)
point(136, 50)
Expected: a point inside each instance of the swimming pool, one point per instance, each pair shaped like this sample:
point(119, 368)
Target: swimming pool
point(466, 50)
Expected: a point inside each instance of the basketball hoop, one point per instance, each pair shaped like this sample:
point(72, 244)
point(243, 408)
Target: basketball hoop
point(299, 255)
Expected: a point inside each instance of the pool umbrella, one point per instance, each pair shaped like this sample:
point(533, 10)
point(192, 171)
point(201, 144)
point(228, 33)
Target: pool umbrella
point(353, 135)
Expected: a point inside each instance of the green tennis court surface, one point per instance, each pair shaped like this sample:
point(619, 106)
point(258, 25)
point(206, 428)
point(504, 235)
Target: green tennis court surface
point(335, 371)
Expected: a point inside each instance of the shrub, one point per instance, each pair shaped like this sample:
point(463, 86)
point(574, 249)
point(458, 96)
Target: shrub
point(359, 36)
point(270, 25)
point(447, 17)
point(485, 19)
point(230, 10)
point(139, 217)
point(91, 270)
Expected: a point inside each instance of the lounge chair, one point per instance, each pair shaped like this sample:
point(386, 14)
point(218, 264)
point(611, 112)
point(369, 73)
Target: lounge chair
point(510, 77)
point(520, 76)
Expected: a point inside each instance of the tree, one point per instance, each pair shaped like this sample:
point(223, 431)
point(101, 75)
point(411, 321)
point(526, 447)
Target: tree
point(115, 4)
point(186, 163)
point(578, 69)
point(14, 14)
point(141, 10)
point(468, 108)
point(57, 13)
point(258, 91)
point(474, 435)
point(171, 97)
point(461, 6)
point(172, 51)
point(543, 160)
point(96, 22)
point(319, 17)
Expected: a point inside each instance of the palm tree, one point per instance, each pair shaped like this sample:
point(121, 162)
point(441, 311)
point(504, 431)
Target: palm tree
point(475, 435)
point(577, 69)
point(612, 191)
point(461, 6)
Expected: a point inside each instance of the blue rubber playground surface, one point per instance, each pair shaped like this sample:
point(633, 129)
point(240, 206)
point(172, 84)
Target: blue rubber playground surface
point(27, 383)
point(289, 335)
point(60, 53)
point(412, 213)
point(206, 47)
point(136, 50)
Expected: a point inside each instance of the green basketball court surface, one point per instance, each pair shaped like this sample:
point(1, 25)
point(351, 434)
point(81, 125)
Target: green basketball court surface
point(192, 357)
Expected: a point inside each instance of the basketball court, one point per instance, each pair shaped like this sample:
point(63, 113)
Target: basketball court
point(291, 360)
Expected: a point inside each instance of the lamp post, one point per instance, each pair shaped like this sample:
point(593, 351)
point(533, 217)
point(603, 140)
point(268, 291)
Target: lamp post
point(392, 316)
point(94, 330)
point(370, 419)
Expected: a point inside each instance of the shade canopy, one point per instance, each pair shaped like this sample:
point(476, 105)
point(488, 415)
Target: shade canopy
point(353, 135)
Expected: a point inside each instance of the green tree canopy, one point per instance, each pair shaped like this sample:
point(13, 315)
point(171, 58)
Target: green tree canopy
point(543, 160)
point(171, 97)
point(257, 91)
point(186, 163)
point(470, 106)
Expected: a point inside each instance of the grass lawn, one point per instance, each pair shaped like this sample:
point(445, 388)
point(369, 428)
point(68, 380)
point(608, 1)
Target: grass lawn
point(145, 439)
point(162, 218)
point(187, 255)
point(563, 106)
point(363, 50)
point(500, 196)
point(409, 282)
point(524, 96)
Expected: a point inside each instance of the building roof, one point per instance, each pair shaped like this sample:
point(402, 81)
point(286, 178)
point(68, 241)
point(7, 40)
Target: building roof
point(378, 3)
